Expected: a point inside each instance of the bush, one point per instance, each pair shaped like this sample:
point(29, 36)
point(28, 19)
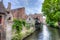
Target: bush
point(17, 37)
point(53, 24)
point(17, 27)
point(27, 26)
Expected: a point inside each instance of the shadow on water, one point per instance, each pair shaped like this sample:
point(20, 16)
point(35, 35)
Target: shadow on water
point(59, 32)
point(47, 33)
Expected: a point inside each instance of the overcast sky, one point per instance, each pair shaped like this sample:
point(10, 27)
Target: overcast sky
point(31, 6)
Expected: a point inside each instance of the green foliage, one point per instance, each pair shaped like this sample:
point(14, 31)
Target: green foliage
point(17, 27)
point(27, 26)
point(51, 9)
point(18, 24)
point(24, 22)
point(57, 16)
point(17, 37)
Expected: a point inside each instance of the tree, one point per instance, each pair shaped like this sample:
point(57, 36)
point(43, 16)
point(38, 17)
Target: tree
point(51, 9)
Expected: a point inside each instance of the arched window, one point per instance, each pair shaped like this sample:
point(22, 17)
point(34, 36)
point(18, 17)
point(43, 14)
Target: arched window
point(29, 18)
point(9, 18)
point(7, 12)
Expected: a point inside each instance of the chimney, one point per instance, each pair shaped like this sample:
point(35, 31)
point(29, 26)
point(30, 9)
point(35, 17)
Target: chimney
point(9, 6)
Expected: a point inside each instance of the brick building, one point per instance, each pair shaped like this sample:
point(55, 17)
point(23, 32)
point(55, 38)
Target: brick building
point(19, 13)
point(38, 16)
point(32, 19)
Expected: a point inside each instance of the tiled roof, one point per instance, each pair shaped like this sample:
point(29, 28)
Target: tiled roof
point(36, 15)
point(39, 16)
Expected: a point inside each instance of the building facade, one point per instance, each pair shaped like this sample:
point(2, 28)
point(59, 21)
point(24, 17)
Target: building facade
point(32, 19)
point(37, 16)
point(5, 20)
point(19, 13)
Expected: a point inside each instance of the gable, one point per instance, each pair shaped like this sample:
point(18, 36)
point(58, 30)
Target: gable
point(2, 8)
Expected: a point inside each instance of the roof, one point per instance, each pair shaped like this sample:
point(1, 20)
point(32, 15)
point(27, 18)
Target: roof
point(17, 9)
point(36, 15)
point(2, 8)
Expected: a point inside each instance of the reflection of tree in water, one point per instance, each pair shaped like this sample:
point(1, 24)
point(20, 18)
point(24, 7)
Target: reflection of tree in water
point(59, 32)
point(54, 33)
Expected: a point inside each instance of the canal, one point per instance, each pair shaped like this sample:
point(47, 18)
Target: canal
point(47, 33)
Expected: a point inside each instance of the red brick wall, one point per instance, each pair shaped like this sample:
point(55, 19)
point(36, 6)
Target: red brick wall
point(19, 13)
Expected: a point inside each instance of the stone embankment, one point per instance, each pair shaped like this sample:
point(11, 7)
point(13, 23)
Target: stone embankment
point(25, 33)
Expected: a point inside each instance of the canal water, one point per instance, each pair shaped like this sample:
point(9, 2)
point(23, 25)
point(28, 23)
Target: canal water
point(47, 33)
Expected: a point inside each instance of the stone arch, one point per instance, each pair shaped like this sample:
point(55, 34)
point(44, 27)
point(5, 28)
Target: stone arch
point(37, 23)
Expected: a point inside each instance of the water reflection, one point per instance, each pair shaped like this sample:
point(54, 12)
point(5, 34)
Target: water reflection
point(47, 33)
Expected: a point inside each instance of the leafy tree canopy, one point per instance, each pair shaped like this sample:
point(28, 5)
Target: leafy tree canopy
point(51, 9)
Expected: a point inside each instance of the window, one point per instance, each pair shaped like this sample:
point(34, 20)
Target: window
point(29, 18)
point(7, 12)
point(9, 18)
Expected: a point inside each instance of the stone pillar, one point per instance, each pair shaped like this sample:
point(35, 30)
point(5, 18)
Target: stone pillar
point(9, 31)
point(9, 28)
point(9, 6)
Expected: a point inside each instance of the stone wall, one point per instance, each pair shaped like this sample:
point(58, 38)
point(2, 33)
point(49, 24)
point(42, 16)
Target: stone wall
point(9, 31)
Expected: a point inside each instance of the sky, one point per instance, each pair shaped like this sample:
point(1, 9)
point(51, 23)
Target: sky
point(31, 6)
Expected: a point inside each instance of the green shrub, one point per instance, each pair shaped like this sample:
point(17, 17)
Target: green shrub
point(27, 26)
point(17, 37)
point(17, 27)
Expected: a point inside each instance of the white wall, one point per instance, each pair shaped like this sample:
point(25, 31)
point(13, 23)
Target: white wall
point(31, 21)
